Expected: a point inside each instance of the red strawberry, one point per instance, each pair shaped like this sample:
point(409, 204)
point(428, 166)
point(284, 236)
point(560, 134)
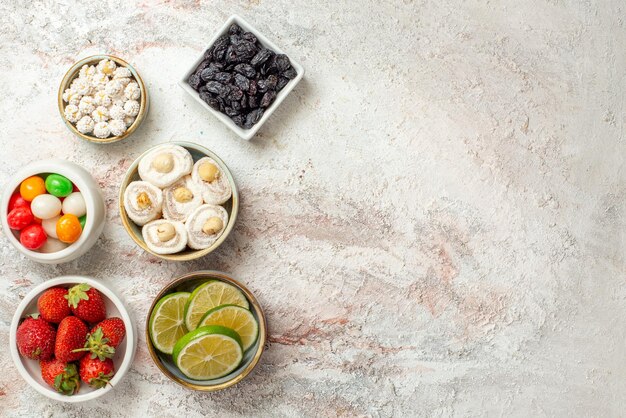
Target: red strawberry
point(35, 338)
point(60, 375)
point(105, 337)
point(86, 303)
point(53, 306)
point(95, 372)
point(113, 329)
point(71, 335)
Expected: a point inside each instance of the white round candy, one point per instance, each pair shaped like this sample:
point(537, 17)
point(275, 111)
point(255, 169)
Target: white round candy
point(85, 125)
point(52, 246)
point(131, 107)
point(50, 226)
point(118, 127)
point(74, 204)
point(45, 206)
point(101, 130)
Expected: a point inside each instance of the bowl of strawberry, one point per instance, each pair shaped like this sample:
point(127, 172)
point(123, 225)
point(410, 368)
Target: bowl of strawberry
point(52, 211)
point(72, 339)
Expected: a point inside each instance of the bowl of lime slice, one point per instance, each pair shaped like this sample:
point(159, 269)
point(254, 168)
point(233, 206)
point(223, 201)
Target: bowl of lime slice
point(206, 331)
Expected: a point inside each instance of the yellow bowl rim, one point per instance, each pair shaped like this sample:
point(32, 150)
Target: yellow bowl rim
point(216, 275)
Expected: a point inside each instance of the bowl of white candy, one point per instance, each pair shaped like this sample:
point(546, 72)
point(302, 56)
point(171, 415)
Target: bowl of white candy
point(178, 201)
point(102, 99)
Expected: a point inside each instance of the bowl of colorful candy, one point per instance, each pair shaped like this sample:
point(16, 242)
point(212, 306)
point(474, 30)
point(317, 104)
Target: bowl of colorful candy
point(178, 201)
point(52, 211)
point(102, 99)
point(206, 312)
point(72, 339)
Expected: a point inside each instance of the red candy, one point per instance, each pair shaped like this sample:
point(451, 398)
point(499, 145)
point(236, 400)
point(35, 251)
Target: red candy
point(17, 201)
point(20, 218)
point(33, 236)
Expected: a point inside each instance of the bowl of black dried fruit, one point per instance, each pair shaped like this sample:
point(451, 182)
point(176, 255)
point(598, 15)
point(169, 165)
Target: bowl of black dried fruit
point(242, 77)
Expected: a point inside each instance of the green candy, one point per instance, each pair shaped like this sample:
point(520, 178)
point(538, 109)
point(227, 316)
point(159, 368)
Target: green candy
point(58, 185)
point(82, 221)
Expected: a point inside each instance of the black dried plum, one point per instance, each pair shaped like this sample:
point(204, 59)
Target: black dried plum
point(238, 120)
point(271, 82)
point(246, 50)
point(261, 57)
point(231, 111)
point(246, 70)
point(249, 36)
point(208, 54)
point(223, 77)
point(269, 67)
point(253, 102)
point(234, 29)
point(214, 103)
point(254, 87)
point(208, 73)
point(235, 39)
point(282, 82)
point(194, 81)
point(220, 46)
point(205, 96)
point(282, 62)
point(235, 93)
point(244, 101)
point(216, 87)
point(262, 86)
point(252, 118)
point(268, 98)
point(242, 82)
point(290, 73)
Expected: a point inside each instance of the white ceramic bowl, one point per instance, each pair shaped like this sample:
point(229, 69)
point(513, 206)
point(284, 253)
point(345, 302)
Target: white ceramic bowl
point(243, 133)
point(29, 369)
point(96, 209)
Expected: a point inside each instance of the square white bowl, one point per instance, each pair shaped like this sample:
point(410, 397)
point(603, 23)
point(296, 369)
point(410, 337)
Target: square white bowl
point(243, 133)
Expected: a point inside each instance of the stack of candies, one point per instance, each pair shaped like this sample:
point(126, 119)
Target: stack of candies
point(50, 213)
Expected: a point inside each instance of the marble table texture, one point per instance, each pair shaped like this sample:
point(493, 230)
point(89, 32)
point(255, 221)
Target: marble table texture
point(434, 220)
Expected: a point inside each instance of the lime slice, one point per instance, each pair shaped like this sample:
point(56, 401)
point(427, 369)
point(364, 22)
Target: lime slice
point(209, 295)
point(167, 322)
point(208, 352)
point(234, 317)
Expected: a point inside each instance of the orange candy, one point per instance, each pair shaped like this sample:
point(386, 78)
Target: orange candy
point(32, 187)
point(68, 228)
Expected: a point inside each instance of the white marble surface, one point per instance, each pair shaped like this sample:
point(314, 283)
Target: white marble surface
point(434, 220)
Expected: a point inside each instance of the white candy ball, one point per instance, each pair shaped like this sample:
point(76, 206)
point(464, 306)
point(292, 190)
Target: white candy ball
point(74, 204)
point(50, 226)
point(52, 246)
point(131, 107)
point(45, 206)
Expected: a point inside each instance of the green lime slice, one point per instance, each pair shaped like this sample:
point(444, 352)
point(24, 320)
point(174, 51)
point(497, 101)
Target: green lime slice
point(236, 318)
point(209, 295)
point(208, 352)
point(167, 322)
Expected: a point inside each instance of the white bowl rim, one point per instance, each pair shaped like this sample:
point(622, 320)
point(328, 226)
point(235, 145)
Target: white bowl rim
point(131, 339)
point(246, 134)
point(56, 166)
